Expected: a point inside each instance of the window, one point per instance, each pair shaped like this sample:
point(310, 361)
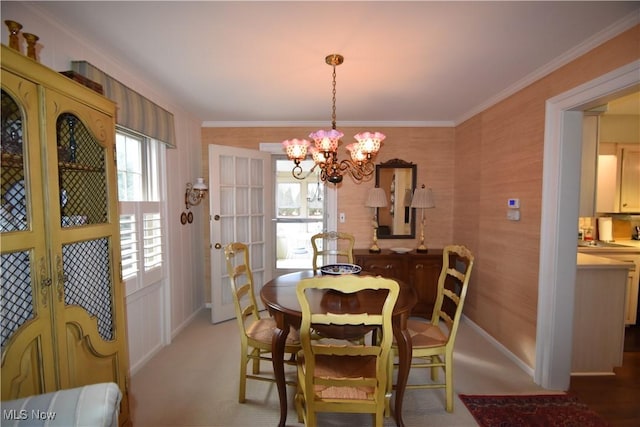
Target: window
point(141, 231)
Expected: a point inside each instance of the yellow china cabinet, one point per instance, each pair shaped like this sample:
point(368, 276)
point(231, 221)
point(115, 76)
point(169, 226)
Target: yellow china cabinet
point(62, 300)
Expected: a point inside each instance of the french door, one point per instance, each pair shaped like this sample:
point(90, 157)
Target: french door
point(241, 206)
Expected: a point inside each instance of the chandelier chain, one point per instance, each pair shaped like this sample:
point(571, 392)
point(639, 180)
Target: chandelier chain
point(333, 113)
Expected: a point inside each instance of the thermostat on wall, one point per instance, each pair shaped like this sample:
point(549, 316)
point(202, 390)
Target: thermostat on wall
point(514, 203)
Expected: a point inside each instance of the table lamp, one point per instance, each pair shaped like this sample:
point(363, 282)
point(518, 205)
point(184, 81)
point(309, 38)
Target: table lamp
point(422, 199)
point(376, 198)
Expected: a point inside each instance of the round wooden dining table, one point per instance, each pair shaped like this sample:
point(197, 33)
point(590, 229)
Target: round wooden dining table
point(279, 296)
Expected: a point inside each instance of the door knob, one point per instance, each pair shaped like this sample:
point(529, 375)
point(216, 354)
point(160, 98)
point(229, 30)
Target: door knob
point(216, 217)
point(217, 246)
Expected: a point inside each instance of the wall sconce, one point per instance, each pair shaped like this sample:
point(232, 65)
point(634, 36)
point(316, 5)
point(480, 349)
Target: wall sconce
point(195, 192)
point(376, 199)
point(422, 199)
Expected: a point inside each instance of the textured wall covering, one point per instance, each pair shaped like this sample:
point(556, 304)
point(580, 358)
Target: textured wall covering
point(499, 155)
point(473, 169)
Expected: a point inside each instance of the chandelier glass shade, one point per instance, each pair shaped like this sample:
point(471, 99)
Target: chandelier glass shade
point(324, 151)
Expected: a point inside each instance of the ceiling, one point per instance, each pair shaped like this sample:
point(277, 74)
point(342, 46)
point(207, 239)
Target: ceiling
point(247, 63)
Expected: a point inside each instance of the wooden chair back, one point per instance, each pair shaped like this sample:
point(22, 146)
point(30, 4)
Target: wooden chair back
point(343, 376)
point(344, 243)
point(457, 263)
point(242, 287)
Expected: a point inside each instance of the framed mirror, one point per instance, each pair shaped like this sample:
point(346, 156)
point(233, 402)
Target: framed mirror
point(398, 180)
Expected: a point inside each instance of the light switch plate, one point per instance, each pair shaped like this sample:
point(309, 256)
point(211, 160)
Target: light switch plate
point(513, 203)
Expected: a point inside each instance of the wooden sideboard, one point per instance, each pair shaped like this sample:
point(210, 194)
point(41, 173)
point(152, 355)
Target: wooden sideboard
point(418, 270)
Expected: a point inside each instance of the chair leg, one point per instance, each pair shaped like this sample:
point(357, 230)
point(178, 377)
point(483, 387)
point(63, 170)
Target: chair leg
point(389, 387)
point(312, 420)
point(435, 370)
point(448, 376)
point(299, 406)
point(256, 360)
point(244, 360)
point(378, 418)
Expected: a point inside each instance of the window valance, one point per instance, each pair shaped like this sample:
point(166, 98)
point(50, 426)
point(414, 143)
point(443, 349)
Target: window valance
point(135, 112)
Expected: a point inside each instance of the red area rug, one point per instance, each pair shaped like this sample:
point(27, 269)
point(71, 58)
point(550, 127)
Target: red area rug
point(549, 410)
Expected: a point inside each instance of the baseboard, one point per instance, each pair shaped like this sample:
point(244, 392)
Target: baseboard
point(592, 374)
point(133, 369)
point(501, 348)
point(186, 322)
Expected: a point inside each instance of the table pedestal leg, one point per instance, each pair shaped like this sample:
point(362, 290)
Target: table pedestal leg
point(405, 347)
point(277, 353)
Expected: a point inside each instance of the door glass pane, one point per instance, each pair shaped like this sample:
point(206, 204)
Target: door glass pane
point(81, 174)
point(257, 229)
point(226, 164)
point(288, 199)
point(257, 201)
point(226, 201)
point(17, 303)
point(226, 229)
point(256, 172)
point(242, 201)
point(13, 213)
point(257, 257)
point(87, 267)
point(242, 171)
point(242, 229)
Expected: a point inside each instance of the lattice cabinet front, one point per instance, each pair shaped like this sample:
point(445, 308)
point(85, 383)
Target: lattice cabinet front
point(62, 301)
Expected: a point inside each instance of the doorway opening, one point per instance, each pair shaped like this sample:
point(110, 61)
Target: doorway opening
point(560, 203)
point(300, 213)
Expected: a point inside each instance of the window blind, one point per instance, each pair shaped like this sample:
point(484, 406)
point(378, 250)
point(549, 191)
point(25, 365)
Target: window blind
point(135, 112)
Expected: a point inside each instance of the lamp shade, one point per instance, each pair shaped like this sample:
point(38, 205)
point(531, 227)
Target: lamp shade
point(376, 198)
point(200, 184)
point(422, 198)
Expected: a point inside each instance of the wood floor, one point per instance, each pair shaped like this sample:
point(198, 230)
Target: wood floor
point(616, 397)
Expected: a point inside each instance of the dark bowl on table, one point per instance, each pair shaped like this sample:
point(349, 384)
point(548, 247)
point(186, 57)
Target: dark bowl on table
point(340, 269)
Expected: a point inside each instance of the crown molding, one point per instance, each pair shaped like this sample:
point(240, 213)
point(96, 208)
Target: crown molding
point(324, 124)
point(587, 45)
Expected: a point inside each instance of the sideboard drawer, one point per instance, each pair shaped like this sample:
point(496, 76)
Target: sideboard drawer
point(418, 270)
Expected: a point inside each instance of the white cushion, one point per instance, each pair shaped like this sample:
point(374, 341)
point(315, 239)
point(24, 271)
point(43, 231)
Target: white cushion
point(95, 405)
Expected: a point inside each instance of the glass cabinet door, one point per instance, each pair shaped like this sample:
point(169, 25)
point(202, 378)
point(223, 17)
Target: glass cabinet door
point(85, 248)
point(25, 273)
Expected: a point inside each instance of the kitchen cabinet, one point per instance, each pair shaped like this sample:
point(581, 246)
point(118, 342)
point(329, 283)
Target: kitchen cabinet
point(630, 178)
point(631, 256)
point(418, 270)
point(598, 324)
point(618, 178)
point(589, 165)
point(63, 312)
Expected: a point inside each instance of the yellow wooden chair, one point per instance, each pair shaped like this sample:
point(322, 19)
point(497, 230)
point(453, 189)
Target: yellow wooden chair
point(432, 344)
point(335, 376)
point(255, 332)
point(344, 247)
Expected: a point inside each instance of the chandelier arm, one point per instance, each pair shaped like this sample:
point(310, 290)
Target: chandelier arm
point(359, 172)
point(298, 173)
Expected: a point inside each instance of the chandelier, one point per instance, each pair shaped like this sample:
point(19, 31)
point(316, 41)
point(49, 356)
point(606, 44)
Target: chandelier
point(325, 150)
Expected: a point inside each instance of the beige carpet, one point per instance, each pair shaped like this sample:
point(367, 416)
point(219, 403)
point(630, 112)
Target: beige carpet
point(194, 382)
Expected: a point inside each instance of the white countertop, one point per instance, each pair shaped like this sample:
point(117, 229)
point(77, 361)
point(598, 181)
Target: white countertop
point(630, 246)
point(629, 242)
point(594, 261)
